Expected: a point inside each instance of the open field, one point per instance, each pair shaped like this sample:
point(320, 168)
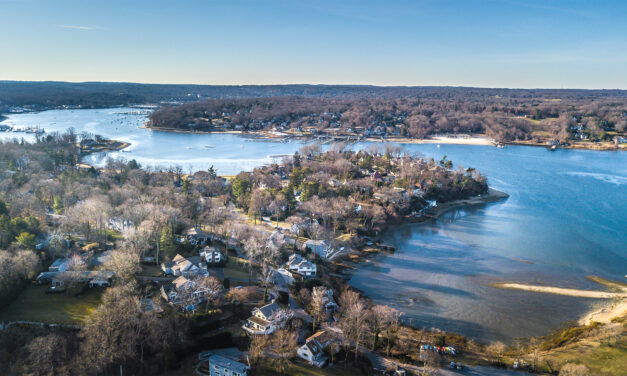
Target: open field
point(33, 304)
point(600, 358)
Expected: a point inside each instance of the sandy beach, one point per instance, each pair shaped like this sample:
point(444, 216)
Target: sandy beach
point(462, 140)
point(439, 140)
point(617, 307)
point(563, 291)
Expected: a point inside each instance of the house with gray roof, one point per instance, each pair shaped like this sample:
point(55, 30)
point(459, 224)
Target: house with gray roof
point(187, 267)
point(265, 320)
point(299, 265)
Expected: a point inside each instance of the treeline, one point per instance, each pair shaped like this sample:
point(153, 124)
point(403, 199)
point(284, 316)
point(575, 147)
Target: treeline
point(509, 116)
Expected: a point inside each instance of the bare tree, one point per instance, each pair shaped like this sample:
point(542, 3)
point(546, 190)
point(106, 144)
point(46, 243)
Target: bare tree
point(387, 319)
point(124, 264)
point(317, 304)
point(283, 344)
point(571, 369)
point(353, 315)
point(496, 350)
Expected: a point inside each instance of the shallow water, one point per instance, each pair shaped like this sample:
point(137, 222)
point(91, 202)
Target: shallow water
point(566, 218)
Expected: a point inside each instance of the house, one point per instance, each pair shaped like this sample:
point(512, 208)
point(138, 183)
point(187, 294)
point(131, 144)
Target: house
point(94, 278)
point(221, 366)
point(313, 349)
point(59, 265)
point(211, 255)
point(319, 247)
point(196, 235)
point(185, 266)
point(328, 302)
point(182, 288)
point(287, 275)
point(264, 320)
point(299, 265)
point(277, 239)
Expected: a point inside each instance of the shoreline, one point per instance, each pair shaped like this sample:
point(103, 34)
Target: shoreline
point(346, 264)
point(479, 139)
point(107, 146)
point(492, 195)
point(616, 307)
point(605, 146)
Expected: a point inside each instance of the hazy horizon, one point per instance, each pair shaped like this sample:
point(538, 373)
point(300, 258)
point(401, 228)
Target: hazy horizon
point(308, 84)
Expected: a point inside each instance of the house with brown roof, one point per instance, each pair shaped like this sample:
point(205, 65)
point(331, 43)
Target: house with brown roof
point(184, 290)
point(180, 265)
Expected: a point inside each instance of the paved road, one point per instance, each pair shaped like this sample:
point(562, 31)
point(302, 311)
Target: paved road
point(380, 362)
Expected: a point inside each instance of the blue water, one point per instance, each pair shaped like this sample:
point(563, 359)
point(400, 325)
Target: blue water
point(566, 218)
point(228, 153)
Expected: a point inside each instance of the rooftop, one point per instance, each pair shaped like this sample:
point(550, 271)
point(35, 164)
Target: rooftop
point(227, 363)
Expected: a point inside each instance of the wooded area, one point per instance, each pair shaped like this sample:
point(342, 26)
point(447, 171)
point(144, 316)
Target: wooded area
point(503, 115)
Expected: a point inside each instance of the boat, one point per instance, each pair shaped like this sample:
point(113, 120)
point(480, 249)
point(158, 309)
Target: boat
point(553, 148)
point(209, 146)
point(188, 147)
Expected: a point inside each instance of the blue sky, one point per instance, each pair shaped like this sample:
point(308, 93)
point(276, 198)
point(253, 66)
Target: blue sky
point(490, 43)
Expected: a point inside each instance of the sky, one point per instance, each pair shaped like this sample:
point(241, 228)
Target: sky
point(489, 43)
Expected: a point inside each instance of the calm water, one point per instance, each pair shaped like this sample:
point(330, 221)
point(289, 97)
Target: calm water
point(566, 218)
point(229, 153)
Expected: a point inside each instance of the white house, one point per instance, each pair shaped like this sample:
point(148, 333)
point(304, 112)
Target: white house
point(185, 266)
point(299, 265)
point(319, 247)
point(211, 255)
point(313, 349)
point(265, 320)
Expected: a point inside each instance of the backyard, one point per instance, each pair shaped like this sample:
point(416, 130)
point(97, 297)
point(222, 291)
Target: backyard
point(33, 304)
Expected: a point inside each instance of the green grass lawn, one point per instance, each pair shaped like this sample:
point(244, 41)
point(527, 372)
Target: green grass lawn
point(33, 304)
point(236, 268)
point(601, 359)
point(151, 270)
